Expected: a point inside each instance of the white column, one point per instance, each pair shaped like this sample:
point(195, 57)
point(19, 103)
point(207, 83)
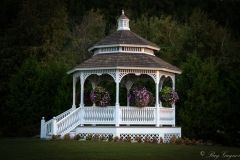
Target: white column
point(43, 132)
point(117, 112)
point(157, 99)
point(54, 126)
point(173, 106)
point(82, 99)
point(82, 90)
point(160, 86)
point(74, 93)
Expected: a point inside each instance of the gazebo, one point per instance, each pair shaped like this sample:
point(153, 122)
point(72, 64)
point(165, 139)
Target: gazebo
point(123, 57)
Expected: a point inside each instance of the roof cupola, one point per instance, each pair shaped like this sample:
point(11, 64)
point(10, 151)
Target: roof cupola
point(123, 22)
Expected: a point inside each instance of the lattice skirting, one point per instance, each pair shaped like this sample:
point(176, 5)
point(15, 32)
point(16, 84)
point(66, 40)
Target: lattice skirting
point(168, 136)
point(141, 135)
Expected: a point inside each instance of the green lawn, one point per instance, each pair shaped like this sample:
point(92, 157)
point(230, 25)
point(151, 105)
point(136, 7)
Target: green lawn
point(24, 149)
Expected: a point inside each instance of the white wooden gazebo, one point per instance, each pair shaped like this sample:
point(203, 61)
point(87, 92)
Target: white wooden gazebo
point(122, 57)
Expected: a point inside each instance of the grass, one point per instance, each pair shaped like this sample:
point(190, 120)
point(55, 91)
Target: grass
point(36, 149)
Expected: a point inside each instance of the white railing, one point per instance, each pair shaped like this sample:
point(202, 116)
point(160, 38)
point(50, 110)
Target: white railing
point(46, 127)
point(167, 116)
point(99, 115)
point(136, 115)
point(70, 119)
point(68, 123)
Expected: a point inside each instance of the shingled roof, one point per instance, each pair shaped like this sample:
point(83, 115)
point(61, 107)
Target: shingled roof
point(127, 60)
point(125, 37)
point(121, 58)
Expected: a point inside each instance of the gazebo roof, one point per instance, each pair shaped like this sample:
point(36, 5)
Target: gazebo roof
point(125, 60)
point(125, 37)
point(125, 50)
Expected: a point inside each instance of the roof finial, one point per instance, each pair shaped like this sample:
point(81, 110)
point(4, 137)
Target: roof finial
point(122, 12)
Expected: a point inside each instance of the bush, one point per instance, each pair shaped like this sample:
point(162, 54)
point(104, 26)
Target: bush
point(96, 137)
point(56, 136)
point(76, 137)
point(161, 140)
point(115, 139)
point(67, 136)
point(89, 137)
point(128, 139)
point(173, 139)
point(138, 139)
point(155, 140)
point(102, 138)
point(110, 138)
point(187, 141)
point(147, 139)
point(179, 141)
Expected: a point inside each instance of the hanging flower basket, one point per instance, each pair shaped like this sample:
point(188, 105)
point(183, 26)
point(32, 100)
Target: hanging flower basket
point(140, 97)
point(100, 97)
point(168, 96)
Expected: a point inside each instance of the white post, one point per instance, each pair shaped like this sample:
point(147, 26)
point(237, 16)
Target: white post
point(117, 99)
point(54, 126)
point(82, 90)
point(128, 86)
point(173, 106)
point(157, 99)
point(43, 131)
point(74, 93)
point(174, 111)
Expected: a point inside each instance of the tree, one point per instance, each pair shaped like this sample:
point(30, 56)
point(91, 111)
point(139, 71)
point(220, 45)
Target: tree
point(86, 32)
point(36, 90)
point(39, 29)
point(201, 101)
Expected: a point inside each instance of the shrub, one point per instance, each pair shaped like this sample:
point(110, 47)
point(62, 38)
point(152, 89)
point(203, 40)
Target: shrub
point(128, 139)
point(96, 137)
point(194, 142)
point(115, 139)
point(179, 141)
point(138, 139)
point(172, 139)
point(56, 136)
point(76, 137)
point(110, 138)
point(147, 139)
point(161, 140)
point(89, 137)
point(187, 141)
point(102, 138)
point(155, 140)
point(67, 136)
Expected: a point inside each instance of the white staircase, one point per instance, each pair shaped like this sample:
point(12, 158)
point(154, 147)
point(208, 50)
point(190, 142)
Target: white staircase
point(60, 125)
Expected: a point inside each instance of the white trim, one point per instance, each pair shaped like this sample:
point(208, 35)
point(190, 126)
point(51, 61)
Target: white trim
point(133, 52)
point(124, 45)
point(119, 67)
